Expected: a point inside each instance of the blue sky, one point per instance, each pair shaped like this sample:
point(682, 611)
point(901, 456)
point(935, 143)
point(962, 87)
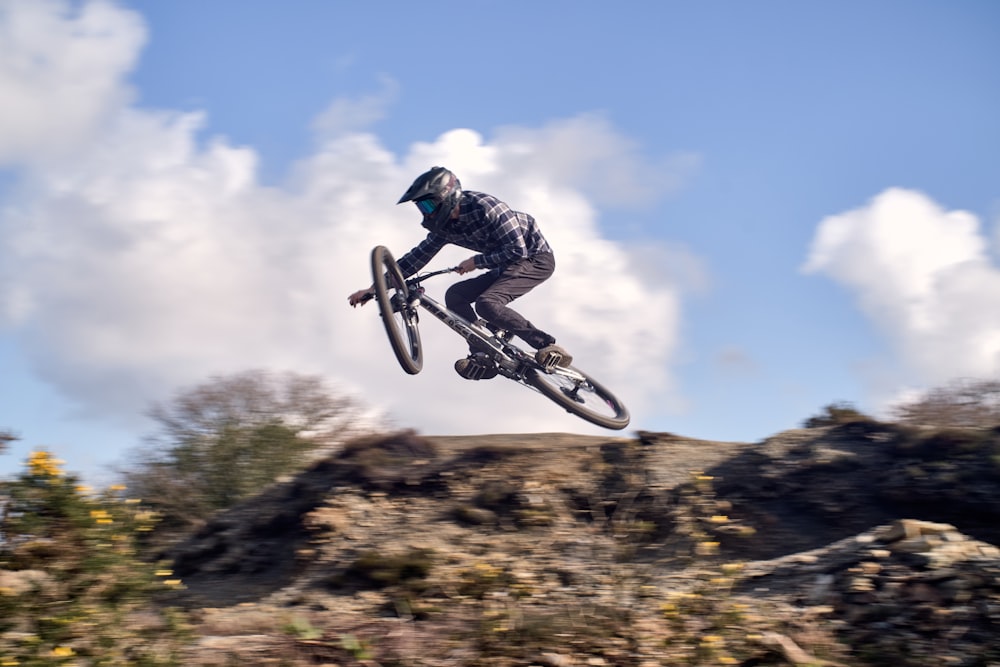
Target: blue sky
point(757, 208)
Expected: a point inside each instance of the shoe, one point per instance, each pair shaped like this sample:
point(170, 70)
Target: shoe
point(476, 367)
point(553, 355)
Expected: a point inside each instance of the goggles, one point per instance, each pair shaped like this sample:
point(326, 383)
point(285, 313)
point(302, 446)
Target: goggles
point(426, 206)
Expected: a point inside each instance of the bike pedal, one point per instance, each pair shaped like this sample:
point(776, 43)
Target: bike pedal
point(551, 361)
point(551, 357)
point(476, 367)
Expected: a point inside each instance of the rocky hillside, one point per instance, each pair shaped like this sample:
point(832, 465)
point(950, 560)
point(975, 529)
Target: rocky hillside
point(858, 544)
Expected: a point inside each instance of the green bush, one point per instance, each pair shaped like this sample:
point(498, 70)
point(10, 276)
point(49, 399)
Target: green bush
point(837, 414)
point(378, 570)
point(71, 584)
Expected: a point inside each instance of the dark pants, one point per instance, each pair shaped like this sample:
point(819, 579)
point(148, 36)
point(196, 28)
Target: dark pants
point(491, 292)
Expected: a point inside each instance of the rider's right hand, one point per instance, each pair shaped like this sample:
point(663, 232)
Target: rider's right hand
point(361, 297)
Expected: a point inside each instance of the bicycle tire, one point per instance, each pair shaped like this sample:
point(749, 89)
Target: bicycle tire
point(398, 317)
point(587, 399)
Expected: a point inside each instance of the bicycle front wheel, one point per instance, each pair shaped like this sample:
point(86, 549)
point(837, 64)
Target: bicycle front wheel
point(398, 316)
point(580, 394)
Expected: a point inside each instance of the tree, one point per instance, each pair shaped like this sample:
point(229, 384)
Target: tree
point(964, 403)
point(224, 440)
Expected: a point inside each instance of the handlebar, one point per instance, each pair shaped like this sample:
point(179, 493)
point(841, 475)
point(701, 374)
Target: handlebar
point(413, 280)
point(424, 276)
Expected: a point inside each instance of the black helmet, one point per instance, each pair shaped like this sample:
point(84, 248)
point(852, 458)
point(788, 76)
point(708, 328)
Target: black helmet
point(436, 194)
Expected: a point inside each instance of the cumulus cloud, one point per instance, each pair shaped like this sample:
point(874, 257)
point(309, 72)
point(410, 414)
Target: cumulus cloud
point(61, 73)
point(146, 260)
point(923, 275)
point(996, 237)
point(588, 153)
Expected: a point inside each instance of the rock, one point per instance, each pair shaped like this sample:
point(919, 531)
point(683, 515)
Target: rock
point(556, 660)
point(21, 582)
point(911, 529)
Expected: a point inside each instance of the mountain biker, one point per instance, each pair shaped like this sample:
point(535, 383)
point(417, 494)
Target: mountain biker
point(507, 242)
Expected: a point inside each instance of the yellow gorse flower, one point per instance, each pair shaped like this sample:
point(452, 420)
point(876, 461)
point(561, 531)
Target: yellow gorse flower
point(487, 570)
point(707, 548)
point(43, 464)
point(101, 516)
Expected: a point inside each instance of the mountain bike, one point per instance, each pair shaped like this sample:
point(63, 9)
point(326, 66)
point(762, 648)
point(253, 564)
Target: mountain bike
point(399, 300)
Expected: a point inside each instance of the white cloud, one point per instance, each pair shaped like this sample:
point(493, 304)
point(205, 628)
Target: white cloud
point(148, 261)
point(996, 237)
point(923, 275)
point(61, 73)
point(587, 153)
point(352, 115)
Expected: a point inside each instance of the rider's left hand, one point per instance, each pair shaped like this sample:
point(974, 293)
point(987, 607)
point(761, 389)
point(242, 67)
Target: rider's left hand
point(467, 265)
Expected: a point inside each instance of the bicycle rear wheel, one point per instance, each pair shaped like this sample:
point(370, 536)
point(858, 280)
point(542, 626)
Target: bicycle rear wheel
point(398, 316)
point(580, 394)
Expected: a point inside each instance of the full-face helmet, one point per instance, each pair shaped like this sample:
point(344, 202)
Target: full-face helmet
point(436, 193)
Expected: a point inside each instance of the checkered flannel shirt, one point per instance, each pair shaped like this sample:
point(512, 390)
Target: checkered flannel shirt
point(487, 226)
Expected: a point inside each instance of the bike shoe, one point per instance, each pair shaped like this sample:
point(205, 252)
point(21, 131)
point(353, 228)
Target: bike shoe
point(476, 367)
point(553, 355)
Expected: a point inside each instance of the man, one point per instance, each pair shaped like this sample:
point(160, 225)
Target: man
point(508, 243)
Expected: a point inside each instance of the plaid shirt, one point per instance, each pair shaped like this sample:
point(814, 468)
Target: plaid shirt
point(486, 225)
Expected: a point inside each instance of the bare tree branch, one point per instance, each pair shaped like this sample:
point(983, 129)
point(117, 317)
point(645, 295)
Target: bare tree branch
point(964, 403)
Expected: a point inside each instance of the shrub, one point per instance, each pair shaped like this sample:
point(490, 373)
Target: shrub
point(965, 403)
point(837, 414)
point(71, 583)
point(378, 570)
point(6, 437)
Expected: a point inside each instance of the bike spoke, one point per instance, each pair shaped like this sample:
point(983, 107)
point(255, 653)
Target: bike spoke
point(398, 300)
point(582, 396)
point(398, 316)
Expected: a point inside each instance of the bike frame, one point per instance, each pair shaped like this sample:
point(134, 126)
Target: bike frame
point(511, 362)
point(400, 299)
